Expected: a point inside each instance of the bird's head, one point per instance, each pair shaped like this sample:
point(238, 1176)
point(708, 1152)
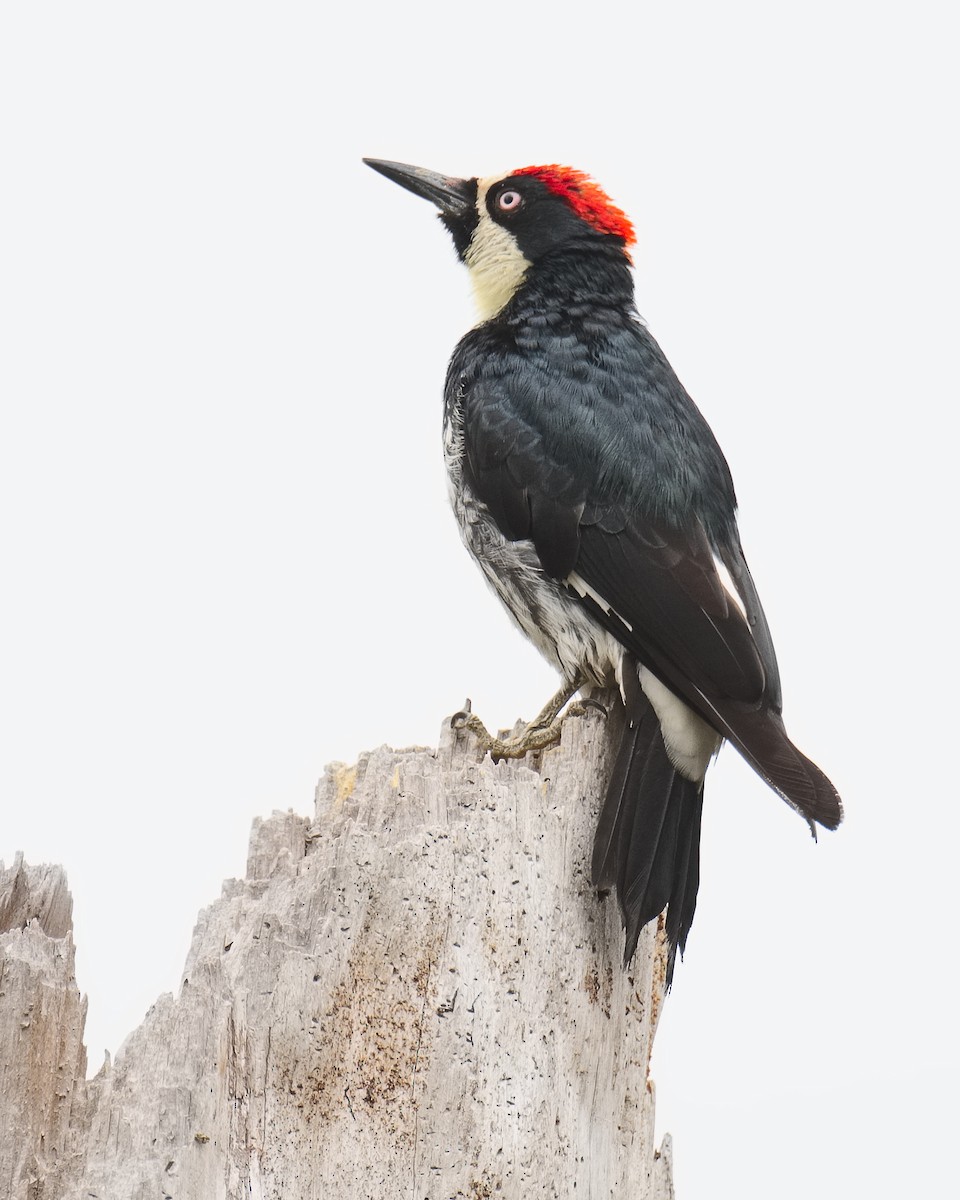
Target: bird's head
point(503, 225)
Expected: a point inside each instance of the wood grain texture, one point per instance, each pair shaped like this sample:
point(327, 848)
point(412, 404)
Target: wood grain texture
point(417, 994)
point(43, 1064)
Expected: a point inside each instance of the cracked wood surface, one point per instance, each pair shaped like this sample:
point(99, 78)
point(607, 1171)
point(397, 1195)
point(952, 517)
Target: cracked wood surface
point(415, 994)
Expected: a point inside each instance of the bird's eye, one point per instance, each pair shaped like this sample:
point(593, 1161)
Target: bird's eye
point(509, 201)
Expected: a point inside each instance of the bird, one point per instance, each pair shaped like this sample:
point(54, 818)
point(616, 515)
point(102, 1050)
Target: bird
point(599, 506)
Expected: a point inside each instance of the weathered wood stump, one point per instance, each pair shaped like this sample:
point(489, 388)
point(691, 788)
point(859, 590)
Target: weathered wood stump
point(416, 994)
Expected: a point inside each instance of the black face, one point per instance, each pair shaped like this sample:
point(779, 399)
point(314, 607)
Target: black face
point(539, 219)
point(462, 224)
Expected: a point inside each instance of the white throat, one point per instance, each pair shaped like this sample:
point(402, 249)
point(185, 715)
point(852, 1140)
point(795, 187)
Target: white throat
point(494, 259)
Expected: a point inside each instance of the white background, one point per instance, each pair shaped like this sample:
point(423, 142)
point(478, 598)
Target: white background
point(227, 557)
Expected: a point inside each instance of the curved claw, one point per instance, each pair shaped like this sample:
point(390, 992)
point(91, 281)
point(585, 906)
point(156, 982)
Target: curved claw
point(460, 719)
point(543, 731)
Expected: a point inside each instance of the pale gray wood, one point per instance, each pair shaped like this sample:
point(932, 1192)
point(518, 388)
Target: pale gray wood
point(416, 994)
point(43, 1063)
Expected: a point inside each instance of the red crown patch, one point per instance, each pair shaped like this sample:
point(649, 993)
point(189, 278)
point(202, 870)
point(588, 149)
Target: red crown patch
point(587, 199)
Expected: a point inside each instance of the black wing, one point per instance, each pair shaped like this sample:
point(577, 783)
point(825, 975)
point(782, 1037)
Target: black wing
point(629, 491)
point(666, 603)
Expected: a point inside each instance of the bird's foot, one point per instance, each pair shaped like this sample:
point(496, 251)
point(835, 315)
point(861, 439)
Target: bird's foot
point(543, 731)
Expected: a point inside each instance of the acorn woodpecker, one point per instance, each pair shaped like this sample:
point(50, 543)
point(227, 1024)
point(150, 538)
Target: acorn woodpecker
point(600, 508)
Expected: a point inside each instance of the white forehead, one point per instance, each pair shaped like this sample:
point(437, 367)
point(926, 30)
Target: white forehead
point(484, 185)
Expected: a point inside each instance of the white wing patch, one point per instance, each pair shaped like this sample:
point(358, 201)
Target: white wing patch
point(582, 588)
point(726, 581)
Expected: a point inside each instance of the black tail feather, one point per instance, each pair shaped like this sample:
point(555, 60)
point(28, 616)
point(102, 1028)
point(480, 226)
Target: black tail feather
point(648, 838)
point(683, 901)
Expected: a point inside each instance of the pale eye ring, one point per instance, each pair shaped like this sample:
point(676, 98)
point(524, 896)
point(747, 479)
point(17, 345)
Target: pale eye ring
point(509, 201)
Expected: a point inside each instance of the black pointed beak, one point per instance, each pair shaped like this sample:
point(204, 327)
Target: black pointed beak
point(454, 197)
